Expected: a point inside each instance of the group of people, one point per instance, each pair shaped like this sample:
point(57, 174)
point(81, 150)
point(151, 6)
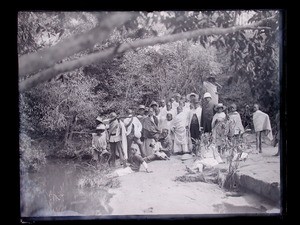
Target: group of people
point(170, 127)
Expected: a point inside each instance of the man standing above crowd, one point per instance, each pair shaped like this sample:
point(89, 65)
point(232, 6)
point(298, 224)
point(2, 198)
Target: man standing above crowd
point(211, 86)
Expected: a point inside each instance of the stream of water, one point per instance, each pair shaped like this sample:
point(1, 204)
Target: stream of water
point(64, 190)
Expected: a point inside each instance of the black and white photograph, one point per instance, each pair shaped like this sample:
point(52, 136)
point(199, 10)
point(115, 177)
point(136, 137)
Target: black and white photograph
point(149, 114)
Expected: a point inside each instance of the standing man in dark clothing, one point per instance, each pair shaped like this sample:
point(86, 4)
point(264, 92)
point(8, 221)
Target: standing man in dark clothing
point(195, 121)
point(207, 113)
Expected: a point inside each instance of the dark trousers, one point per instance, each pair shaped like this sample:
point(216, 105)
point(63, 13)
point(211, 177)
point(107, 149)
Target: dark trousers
point(132, 139)
point(258, 141)
point(114, 148)
point(195, 133)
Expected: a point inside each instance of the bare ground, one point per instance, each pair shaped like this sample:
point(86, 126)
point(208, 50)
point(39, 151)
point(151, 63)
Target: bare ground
point(158, 193)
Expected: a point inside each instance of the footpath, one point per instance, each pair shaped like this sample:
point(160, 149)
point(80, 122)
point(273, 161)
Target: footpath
point(159, 193)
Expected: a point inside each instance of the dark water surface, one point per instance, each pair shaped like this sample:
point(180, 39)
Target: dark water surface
point(68, 188)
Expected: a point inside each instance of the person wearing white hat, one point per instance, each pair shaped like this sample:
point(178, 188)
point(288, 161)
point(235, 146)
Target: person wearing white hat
point(208, 112)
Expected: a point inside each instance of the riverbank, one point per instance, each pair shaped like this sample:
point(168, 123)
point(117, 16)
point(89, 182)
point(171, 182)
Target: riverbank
point(260, 173)
point(158, 193)
point(75, 189)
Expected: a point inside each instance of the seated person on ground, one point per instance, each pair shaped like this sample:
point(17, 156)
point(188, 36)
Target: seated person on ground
point(166, 142)
point(159, 153)
point(134, 163)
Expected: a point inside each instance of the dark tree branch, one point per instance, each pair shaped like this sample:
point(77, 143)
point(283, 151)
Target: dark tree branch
point(111, 52)
point(46, 58)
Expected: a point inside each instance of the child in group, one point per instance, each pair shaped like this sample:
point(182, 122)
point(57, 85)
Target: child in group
point(99, 143)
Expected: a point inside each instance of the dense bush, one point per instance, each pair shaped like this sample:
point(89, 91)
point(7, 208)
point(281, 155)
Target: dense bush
point(31, 156)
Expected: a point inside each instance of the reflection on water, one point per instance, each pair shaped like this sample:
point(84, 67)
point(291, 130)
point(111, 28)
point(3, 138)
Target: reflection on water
point(58, 184)
point(66, 188)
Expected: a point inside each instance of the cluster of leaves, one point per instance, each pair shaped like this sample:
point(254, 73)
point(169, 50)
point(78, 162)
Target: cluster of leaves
point(37, 30)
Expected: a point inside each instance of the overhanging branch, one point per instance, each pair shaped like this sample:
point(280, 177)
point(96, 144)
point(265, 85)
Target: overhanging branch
point(46, 58)
point(111, 52)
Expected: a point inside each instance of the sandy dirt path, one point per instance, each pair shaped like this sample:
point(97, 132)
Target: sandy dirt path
point(157, 193)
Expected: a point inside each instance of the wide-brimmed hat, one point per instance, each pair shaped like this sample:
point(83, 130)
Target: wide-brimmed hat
point(220, 105)
point(141, 107)
point(192, 94)
point(100, 127)
point(207, 95)
point(153, 103)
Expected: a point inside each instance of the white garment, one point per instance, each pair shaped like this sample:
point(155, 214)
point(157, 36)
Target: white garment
point(187, 105)
point(180, 135)
point(163, 111)
point(261, 121)
point(173, 112)
point(175, 105)
point(124, 139)
point(137, 126)
point(198, 113)
point(218, 116)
